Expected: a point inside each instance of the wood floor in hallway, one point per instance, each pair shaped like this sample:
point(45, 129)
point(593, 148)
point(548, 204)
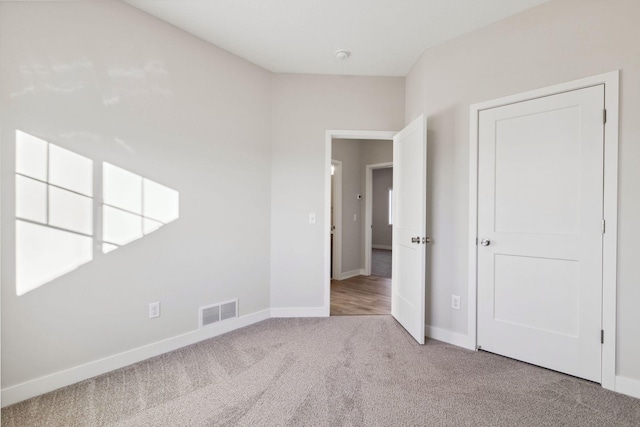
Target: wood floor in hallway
point(361, 295)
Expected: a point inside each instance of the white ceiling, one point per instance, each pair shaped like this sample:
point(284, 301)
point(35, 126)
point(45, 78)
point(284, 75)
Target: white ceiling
point(386, 37)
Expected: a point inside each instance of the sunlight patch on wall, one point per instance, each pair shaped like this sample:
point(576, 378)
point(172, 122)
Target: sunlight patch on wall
point(54, 212)
point(133, 207)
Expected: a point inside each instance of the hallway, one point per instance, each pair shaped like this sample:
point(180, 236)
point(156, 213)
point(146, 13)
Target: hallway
point(381, 263)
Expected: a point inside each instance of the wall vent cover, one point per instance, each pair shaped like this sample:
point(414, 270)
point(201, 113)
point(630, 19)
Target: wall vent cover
point(215, 313)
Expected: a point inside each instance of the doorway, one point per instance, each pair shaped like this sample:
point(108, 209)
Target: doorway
point(378, 213)
point(369, 292)
point(354, 291)
point(408, 285)
point(543, 213)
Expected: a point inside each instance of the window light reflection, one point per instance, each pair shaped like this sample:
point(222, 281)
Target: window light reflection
point(55, 204)
point(133, 206)
point(54, 212)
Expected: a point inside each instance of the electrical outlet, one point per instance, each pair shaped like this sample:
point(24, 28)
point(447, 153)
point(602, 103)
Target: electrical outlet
point(154, 310)
point(455, 302)
point(312, 218)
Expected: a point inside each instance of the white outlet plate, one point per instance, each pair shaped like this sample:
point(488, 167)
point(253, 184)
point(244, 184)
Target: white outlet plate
point(455, 302)
point(154, 310)
point(312, 218)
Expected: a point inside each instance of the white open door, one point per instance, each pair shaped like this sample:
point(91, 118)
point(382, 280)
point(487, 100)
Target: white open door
point(410, 227)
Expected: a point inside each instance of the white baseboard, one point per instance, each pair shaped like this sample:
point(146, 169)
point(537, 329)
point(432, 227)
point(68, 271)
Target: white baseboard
point(386, 247)
point(38, 386)
point(449, 337)
point(628, 386)
point(350, 274)
point(299, 311)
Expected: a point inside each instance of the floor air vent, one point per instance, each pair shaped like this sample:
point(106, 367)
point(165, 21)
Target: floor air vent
point(218, 312)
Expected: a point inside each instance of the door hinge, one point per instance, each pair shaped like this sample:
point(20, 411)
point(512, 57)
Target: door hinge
point(604, 226)
point(604, 116)
point(476, 241)
point(601, 336)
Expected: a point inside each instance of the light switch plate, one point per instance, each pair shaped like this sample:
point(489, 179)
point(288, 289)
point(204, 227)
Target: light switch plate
point(455, 302)
point(154, 310)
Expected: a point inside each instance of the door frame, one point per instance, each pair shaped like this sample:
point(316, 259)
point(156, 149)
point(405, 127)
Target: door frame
point(368, 212)
point(610, 208)
point(330, 135)
point(337, 212)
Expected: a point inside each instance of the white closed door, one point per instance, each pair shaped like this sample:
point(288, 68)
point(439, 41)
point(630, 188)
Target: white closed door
point(540, 210)
point(409, 228)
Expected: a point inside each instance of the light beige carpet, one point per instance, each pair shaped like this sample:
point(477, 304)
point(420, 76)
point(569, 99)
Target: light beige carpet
point(338, 371)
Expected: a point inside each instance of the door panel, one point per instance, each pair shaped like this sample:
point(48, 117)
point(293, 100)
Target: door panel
point(537, 173)
point(540, 206)
point(522, 282)
point(409, 222)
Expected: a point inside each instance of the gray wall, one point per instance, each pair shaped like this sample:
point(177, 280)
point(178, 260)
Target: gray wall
point(114, 84)
point(377, 151)
point(560, 41)
point(304, 107)
point(381, 230)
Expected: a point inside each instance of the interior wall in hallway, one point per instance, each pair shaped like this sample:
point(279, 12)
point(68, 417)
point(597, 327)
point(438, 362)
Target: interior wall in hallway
point(381, 231)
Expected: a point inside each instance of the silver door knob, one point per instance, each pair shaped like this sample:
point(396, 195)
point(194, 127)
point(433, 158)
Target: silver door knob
point(485, 242)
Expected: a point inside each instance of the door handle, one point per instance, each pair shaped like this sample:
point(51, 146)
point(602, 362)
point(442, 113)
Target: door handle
point(485, 242)
point(419, 240)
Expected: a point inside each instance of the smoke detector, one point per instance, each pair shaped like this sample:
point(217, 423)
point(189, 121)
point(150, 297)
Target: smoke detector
point(342, 54)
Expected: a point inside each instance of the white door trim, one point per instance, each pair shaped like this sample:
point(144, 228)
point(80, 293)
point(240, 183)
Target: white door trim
point(337, 212)
point(368, 212)
point(611, 82)
point(329, 136)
